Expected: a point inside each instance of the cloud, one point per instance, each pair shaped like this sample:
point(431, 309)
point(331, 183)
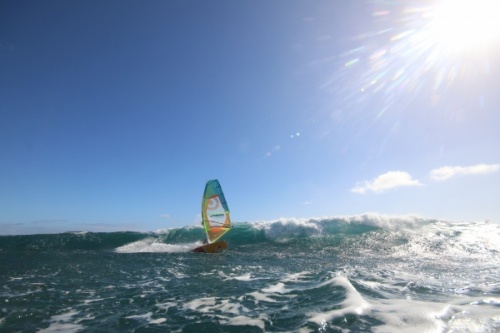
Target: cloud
point(447, 172)
point(394, 179)
point(165, 216)
point(387, 181)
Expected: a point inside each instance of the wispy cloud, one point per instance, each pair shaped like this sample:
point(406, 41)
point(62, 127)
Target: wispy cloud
point(447, 172)
point(165, 216)
point(385, 182)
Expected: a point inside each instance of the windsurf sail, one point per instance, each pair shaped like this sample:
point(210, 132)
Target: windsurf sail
point(214, 211)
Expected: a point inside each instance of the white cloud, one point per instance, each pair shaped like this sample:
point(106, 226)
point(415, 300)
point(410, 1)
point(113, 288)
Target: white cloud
point(387, 181)
point(447, 172)
point(165, 216)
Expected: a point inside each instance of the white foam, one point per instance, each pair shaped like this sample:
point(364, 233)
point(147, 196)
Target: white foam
point(61, 328)
point(486, 322)
point(237, 275)
point(166, 305)
point(142, 316)
point(212, 305)
point(61, 323)
point(385, 221)
point(278, 288)
point(92, 300)
point(247, 321)
point(295, 277)
point(261, 297)
point(453, 241)
point(286, 228)
point(244, 277)
point(305, 330)
point(410, 316)
point(158, 321)
point(15, 279)
point(78, 232)
point(65, 317)
point(147, 317)
point(178, 274)
point(289, 227)
point(228, 307)
point(87, 317)
point(353, 304)
point(386, 290)
point(166, 231)
point(414, 316)
point(201, 304)
point(152, 245)
point(490, 300)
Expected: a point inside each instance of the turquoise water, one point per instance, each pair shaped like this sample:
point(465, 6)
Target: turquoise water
point(368, 273)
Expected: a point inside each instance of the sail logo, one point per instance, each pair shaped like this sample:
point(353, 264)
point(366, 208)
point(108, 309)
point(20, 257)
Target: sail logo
point(213, 203)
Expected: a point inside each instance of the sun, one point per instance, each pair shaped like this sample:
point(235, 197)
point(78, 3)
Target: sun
point(466, 25)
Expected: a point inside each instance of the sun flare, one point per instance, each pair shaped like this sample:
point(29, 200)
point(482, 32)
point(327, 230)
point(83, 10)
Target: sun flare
point(461, 25)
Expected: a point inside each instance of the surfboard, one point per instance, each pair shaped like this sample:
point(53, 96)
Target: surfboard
point(215, 218)
point(216, 247)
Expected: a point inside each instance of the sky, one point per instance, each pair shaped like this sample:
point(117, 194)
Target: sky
point(114, 114)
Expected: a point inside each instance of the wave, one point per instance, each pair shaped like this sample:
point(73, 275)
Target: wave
point(70, 241)
point(286, 228)
point(367, 232)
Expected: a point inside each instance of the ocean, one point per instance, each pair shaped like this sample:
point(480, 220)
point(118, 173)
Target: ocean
point(365, 273)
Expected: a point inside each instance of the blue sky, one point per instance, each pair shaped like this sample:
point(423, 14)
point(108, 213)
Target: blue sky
point(114, 114)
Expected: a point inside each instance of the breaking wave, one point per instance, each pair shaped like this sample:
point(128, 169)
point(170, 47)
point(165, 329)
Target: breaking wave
point(362, 234)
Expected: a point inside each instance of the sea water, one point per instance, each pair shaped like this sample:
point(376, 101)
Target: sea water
point(367, 273)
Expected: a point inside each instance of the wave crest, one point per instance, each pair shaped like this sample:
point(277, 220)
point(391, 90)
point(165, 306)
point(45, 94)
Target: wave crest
point(285, 228)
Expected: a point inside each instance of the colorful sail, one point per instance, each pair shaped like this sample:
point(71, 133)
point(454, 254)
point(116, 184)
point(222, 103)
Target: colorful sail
point(214, 211)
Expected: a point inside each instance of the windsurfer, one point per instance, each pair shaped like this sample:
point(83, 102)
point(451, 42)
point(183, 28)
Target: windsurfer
point(215, 219)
